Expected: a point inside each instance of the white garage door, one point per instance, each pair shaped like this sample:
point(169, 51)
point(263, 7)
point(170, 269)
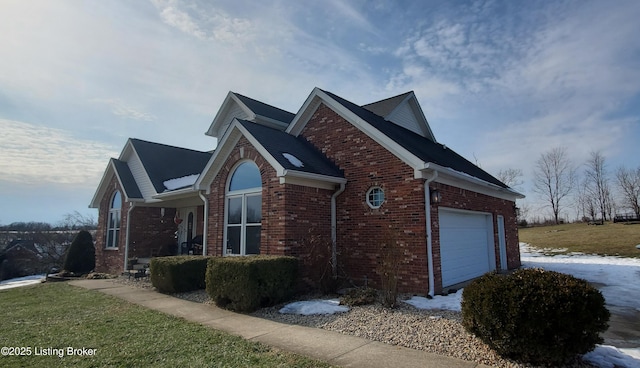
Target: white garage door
point(466, 245)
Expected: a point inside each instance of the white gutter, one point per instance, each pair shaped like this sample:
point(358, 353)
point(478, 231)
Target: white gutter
point(206, 221)
point(427, 206)
point(472, 179)
point(334, 232)
point(126, 241)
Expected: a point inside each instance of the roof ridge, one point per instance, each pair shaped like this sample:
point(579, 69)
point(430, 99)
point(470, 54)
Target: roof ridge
point(389, 98)
point(262, 103)
point(166, 145)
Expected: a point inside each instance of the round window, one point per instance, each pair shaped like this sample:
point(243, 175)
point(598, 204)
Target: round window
point(375, 197)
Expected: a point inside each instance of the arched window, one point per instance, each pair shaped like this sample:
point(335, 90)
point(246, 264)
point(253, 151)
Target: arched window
point(113, 221)
point(244, 210)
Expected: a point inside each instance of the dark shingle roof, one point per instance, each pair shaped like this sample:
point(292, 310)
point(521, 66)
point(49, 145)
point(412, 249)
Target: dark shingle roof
point(386, 106)
point(128, 182)
point(277, 143)
point(163, 162)
point(262, 109)
point(418, 145)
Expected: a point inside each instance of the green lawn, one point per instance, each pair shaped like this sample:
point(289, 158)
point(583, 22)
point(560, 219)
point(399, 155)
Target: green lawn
point(608, 239)
point(58, 316)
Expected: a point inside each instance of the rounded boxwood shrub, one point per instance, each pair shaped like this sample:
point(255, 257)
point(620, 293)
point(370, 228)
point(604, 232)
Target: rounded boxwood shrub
point(535, 316)
point(81, 255)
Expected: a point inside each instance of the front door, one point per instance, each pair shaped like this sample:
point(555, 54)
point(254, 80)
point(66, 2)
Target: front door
point(186, 229)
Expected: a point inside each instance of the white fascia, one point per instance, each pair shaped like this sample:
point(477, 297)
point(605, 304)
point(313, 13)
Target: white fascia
point(224, 108)
point(177, 194)
point(310, 179)
point(225, 147)
point(462, 180)
point(108, 172)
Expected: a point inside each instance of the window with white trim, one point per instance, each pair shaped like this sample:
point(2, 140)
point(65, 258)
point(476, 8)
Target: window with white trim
point(244, 210)
point(375, 197)
point(113, 221)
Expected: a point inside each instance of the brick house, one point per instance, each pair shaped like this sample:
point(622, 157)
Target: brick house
point(355, 177)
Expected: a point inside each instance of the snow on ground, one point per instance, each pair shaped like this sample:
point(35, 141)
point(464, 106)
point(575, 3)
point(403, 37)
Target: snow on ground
point(449, 302)
point(318, 306)
point(617, 278)
point(21, 281)
point(611, 357)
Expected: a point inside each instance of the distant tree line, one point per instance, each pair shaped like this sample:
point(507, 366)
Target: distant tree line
point(28, 248)
point(71, 221)
point(592, 190)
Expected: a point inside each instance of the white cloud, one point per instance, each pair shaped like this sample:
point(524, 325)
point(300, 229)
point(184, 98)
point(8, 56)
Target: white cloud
point(121, 109)
point(37, 155)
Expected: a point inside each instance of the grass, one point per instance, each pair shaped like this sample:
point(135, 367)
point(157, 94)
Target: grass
point(608, 239)
point(57, 315)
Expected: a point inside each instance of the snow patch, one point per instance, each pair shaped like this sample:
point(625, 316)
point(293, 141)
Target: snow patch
point(449, 302)
point(177, 183)
point(306, 308)
point(619, 277)
point(21, 281)
point(606, 356)
point(293, 160)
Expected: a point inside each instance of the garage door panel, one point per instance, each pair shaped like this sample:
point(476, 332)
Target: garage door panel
point(464, 246)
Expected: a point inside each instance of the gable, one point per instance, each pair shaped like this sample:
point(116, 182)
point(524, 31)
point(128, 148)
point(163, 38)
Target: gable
point(144, 167)
point(237, 106)
point(162, 163)
point(421, 153)
point(293, 159)
point(403, 110)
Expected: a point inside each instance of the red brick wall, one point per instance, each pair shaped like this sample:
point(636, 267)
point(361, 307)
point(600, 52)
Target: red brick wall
point(149, 232)
point(402, 216)
point(361, 229)
point(290, 213)
point(215, 236)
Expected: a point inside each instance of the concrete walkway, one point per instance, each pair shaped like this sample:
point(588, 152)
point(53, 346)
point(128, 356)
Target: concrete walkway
point(332, 347)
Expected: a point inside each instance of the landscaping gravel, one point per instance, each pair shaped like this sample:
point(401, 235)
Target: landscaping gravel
point(435, 331)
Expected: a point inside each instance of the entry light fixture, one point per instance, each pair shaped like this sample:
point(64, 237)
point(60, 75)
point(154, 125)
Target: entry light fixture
point(435, 196)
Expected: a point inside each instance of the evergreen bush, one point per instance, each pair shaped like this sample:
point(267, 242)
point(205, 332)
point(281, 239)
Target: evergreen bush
point(81, 255)
point(535, 316)
point(245, 284)
point(178, 274)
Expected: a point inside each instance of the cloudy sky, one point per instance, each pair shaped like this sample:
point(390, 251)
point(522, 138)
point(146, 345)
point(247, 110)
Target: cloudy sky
point(499, 81)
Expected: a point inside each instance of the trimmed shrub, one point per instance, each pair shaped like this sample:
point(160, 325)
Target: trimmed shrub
point(245, 284)
point(178, 274)
point(81, 255)
point(535, 316)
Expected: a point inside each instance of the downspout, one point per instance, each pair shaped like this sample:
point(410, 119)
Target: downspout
point(334, 232)
point(132, 205)
point(427, 205)
point(206, 222)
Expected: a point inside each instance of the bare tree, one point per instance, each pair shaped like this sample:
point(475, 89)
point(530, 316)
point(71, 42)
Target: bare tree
point(77, 221)
point(597, 184)
point(554, 178)
point(585, 203)
point(511, 177)
point(629, 183)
